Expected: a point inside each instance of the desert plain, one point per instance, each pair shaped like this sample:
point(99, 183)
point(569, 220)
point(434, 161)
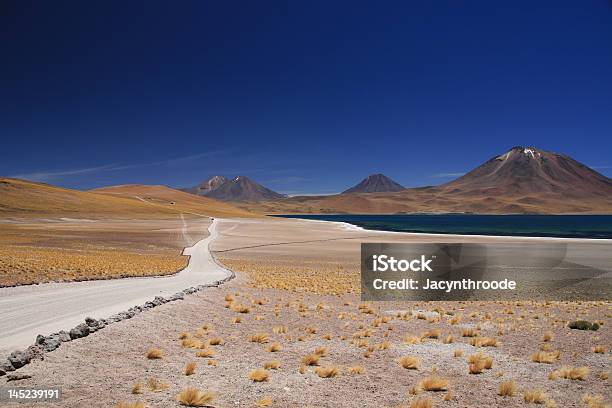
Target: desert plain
point(291, 331)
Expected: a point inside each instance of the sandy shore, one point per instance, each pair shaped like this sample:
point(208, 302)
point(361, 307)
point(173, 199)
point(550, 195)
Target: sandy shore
point(100, 370)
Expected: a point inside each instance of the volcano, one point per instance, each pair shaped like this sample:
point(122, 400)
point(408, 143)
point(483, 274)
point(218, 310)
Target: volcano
point(240, 188)
point(375, 183)
point(527, 170)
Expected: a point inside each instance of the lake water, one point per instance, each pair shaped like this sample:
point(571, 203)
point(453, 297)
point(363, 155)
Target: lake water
point(570, 226)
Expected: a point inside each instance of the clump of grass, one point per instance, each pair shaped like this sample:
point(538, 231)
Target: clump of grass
point(155, 385)
point(193, 397)
point(212, 363)
point(600, 349)
point(272, 365)
point(275, 347)
point(535, 396)
point(264, 402)
point(458, 353)
point(239, 308)
point(583, 325)
point(322, 351)
point(259, 375)
point(507, 389)
point(570, 373)
point(448, 339)
point(311, 359)
point(357, 369)
point(410, 339)
point(154, 354)
point(594, 401)
point(237, 320)
point(327, 372)
point(190, 342)
point(184, 335)
point(484, 342)
point(137, 388)
point(410, 362)
point(479, 362)
point(206, 353)
point(432, 334)
point(385, 345)
point(434, 383)
point(469, 332)
point(190, 368)
point(422, 402)
point(259, 338)
point(216, 341)
point(548, 336)
point(545, 357)
point(279, 330)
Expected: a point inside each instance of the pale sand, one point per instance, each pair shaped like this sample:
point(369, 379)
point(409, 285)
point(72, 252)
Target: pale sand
point(99, 370)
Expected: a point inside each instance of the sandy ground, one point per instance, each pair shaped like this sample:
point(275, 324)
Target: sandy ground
point(27, 311)
point(101, 369)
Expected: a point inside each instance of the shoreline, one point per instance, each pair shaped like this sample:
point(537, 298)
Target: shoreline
point(352, 227)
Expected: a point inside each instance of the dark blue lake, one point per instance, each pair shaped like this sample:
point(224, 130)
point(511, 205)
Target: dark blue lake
point(570, 226)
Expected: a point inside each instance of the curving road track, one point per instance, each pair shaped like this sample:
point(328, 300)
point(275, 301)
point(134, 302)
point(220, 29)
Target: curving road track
point(26, 311)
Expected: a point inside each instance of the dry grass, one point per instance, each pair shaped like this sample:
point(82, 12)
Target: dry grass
point(206, 353)
point(546, 357)
point(259, 375)
point(322, 351)
point(259, 338)
point(216, 341)
point(239, 308)
point(410, 362)
point(154, 354)
point(535, 396)
point(432, 334)
point(357, 369)
point(422, 402)
point(548, 336)
point(600, 349)
point(327, 372)
point(272, 365)
point(469, 332)
point(311, 359)
point(434, 383)
point(594, 401)
point(155, 385)
point(458, 353)
point(507, 389)
point(193, 397)
point(570, 373)
point(275, 347)
point(484, 342)
point(264, 402)
point(190, 368)
point(137, 388)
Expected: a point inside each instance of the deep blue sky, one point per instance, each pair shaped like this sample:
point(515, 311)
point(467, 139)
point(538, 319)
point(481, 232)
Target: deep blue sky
point(304, 97)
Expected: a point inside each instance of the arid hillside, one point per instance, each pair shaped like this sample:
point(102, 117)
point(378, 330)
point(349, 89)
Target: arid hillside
point(21, 198)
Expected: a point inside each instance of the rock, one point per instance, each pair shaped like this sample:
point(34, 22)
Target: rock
point(18, 359)
point(35, 352)
point(79, 331)
point(6, 366)
point(17, 377)
point(64, 336)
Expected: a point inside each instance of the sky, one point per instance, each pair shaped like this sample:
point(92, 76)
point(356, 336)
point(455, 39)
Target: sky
point(305, 97)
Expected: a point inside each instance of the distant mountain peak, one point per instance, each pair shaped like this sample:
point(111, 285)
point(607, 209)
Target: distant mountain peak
point(240, 188)
point(375, 183)
point(527, 170)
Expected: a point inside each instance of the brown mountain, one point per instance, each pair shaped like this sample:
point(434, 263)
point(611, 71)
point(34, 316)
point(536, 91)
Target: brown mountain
point(206, 186)
point(527, 170)
point(22, 198)
point(375, 183)
point(521, 180)
point(240, 188)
